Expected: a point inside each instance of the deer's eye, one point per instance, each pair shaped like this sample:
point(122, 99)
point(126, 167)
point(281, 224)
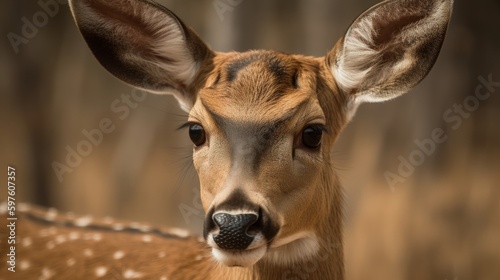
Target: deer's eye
point(197, 134)
point(311, 136)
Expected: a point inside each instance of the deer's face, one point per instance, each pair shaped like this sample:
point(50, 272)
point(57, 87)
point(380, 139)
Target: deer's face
point(261, 141)
point(263, 122)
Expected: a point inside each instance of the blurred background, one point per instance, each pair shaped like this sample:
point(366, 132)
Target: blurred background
point(439, 221)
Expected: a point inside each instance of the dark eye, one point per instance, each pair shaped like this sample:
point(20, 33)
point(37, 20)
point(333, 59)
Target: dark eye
point(311, 136)
point(197, 134)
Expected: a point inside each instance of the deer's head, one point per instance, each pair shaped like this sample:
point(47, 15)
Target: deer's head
point(263, 122)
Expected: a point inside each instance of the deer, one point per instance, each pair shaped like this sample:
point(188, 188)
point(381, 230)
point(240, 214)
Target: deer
point(262, 124)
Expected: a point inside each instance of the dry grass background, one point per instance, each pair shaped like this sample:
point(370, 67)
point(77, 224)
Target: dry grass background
point(441, 223)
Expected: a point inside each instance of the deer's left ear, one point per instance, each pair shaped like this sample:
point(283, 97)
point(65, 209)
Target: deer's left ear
point(389, 48)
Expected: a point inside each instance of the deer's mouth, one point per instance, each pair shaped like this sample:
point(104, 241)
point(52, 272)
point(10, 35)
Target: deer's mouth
point(243, 258)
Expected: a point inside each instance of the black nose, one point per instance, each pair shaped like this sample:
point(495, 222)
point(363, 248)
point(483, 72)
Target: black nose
point(234, 230)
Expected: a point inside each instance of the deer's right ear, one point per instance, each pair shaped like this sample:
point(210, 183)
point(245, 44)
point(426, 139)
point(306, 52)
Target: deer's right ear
point(145, 45)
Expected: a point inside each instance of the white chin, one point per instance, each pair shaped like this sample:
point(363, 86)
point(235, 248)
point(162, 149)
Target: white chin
point(239, 258)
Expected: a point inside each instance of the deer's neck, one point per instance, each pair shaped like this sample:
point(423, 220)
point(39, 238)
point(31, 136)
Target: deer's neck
point(326, 264)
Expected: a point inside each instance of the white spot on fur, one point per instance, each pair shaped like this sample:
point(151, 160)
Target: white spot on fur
point(118, 227)
point(134, 225)
point(74, 235)
point(144, 228)
point(26, 242)
point(163, 278)
point(60, 239)
point(162, 254)
point(70, 262)
point(51, 215)
point(140, 227)
point(97, 237)
point(24, 265)
point(198, 257)
point(179, 232)
point(147, 238)
point(46, 274)
point(88, 253)
point(118, 255)
point(100, 271)
point(83, 221)
point(132, 274)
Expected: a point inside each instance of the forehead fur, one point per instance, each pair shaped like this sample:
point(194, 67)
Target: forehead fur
point(260, 85)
